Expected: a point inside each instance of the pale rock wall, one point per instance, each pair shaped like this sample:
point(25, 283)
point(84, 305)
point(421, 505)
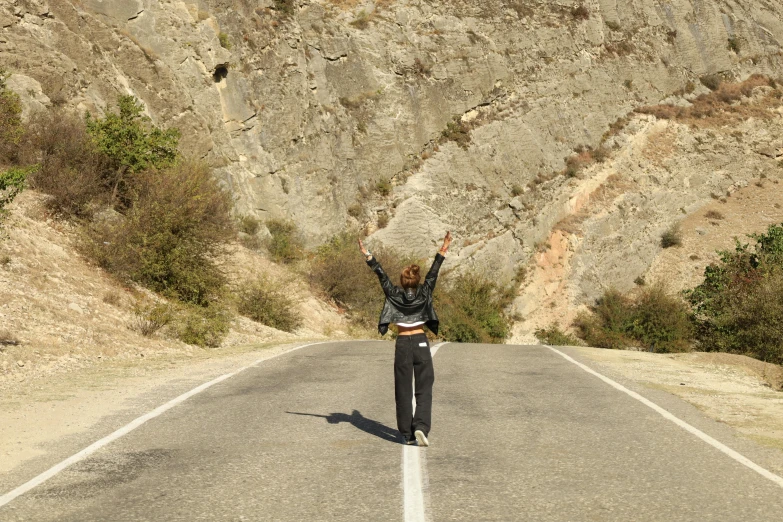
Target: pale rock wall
point(307, 112)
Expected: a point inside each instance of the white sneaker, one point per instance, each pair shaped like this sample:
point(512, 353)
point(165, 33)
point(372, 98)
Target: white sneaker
point(421, 438)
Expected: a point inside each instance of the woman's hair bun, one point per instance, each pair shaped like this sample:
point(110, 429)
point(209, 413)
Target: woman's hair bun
point(414, 270)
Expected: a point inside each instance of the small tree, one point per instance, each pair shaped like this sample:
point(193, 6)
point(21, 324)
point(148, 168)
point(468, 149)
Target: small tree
point(130, 140)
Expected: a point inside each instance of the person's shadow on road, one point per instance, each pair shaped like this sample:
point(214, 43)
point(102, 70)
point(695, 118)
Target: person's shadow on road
point(359, 421)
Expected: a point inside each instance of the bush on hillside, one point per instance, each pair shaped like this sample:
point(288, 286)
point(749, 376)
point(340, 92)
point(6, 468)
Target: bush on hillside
point(672, 236)
point(470, 309)
point(11, 129)
point(554, 336)
point(339, 273)
point(285, 243)
point(650, 319)
point(149, 318)
point(12, 181)
point(204, 326)
point(169, 238)
point(132, 144)
point(739, 306)
point(72, 172)
point(269, 304)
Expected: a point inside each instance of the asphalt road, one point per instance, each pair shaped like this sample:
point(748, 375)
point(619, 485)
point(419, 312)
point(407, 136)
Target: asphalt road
point(519, 433)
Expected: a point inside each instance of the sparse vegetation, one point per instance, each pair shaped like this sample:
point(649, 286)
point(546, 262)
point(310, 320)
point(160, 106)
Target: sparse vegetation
point(149, 318)
point(225, 43)
point(580, 12)
point(672, 237)
point(169, 238)
point(649, 319)
point(341, 276)
point(285, 244)
point(711, 81)
point(249, 225)
point(554, 336)
point(78, 178)
point(12, 181)
point(362, 20)
point(285, 7)
point(383, 187)
point(458, 132)
point(383, 220)
point(713, 214)
point(738, 308)
point(7, 338)
point(269, 303)
point(517, 190)
point(733, 44)
point(471, 310)
point(202, 325)
point(11, 129)
point(614, 26)
point(355, 210)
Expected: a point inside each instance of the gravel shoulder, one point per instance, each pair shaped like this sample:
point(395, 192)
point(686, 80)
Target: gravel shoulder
point(739, 391)
point(36, 415)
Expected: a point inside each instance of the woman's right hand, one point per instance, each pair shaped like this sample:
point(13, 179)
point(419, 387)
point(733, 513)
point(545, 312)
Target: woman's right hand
point(364, 250)
point(446, 243)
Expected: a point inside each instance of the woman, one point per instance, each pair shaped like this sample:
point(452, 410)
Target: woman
point(410, 308)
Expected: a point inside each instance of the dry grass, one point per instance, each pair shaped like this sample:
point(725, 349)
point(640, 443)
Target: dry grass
point(660, 146)
point(728, 103)
point(8, 339)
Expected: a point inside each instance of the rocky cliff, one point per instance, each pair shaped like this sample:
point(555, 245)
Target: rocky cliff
point(425, 116)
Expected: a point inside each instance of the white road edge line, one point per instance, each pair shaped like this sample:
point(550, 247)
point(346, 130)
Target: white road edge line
point(681, 423)
point(413, 472)
point(95, 446)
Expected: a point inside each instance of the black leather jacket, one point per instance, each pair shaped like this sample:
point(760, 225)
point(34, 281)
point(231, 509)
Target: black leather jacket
point(408, 305)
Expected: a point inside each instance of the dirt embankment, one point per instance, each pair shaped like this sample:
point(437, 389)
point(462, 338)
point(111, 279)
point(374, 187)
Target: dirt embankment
point(59, 313)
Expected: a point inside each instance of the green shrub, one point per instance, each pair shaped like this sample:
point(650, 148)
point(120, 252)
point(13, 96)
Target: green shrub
point(383, 187)
point(672, 237)
point(224, 41)
point(149, 318)
point(738, 307)
point(203, 325)
point(11, 129)
point(169, 238)
point(470, 309)
point(132, 143)
point(269, 304)
point(650, 318)
point(12, 181)
point(554, 336)
point(285, 244)
point(458, 132)
point(517, 190)
point(339, 273)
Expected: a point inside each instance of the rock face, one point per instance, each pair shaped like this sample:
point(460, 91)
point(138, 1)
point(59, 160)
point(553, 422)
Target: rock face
point(440, 115)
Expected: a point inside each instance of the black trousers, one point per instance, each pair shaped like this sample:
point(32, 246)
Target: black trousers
point(412, 357)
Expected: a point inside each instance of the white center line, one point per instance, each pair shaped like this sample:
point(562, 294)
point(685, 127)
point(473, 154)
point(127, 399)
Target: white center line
point(679, 422)
point(414, 466)
point(95, 446)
